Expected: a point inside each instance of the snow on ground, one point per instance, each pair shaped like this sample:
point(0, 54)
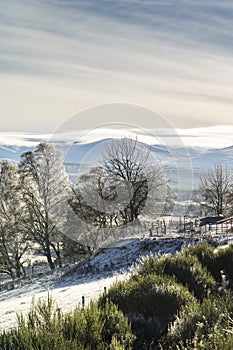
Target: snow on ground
point(67, 296)
point(67, 286)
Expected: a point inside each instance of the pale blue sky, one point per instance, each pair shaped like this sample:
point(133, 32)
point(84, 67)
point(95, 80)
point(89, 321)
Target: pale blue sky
point(57, 57)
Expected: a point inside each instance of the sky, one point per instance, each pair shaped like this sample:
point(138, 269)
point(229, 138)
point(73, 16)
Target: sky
point(61, 57)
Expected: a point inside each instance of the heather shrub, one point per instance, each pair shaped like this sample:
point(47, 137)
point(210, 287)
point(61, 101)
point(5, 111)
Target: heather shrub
point(186, 269)
point(214, 261)
point(204, 253)
point(150, 302)
point(218, 339)
point(212, 312)
point(184, 326)
point(46, 328)
point(224, 261)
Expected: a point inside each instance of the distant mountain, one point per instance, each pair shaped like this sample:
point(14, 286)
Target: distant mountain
point(79, 157)
point(13, 153)
point(211, 157)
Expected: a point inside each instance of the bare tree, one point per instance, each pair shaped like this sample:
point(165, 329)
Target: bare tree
point(13, 238)
point(118, 191)
point(136, 179)
point(215, 189)
point(93, 198)
point(44, 182)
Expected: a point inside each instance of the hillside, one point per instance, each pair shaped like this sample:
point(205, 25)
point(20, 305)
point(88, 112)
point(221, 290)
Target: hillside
point(68, 285)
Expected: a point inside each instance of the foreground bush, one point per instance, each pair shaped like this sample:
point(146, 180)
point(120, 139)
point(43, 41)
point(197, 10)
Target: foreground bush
point(214, 261)
point(219, 339)
point(211, 313)
point(224, 261)
point(185, 268)
point(204, 252)
point(150, 302)
point(47, 328)
point(168, 300)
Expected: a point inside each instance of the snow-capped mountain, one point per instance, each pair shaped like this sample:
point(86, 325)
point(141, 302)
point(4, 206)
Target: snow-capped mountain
point(77, 151)
point(80, 156)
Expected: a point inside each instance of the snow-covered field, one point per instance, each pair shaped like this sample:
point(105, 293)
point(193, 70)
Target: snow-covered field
point(67, 294)
point(68, 286)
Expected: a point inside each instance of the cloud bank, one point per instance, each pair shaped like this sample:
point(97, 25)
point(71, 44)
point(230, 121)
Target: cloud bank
point(57, 57)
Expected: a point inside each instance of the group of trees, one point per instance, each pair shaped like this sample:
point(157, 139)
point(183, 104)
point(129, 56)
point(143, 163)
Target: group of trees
point(30, 193)
point(41, 209)
point(13, 241)
point(38, 201)
point(123, 187)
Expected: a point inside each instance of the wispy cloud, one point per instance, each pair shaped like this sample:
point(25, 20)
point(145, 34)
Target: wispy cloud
point(57, 57)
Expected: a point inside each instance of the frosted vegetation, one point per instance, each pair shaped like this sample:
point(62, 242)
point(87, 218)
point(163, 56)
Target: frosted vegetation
point(51, 228)
point(179, 301)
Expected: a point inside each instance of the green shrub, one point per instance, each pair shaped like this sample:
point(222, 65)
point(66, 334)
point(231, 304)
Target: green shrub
point(218, 339)
point(224, 261)
point(207, 257)
point(214, 261)
point(203, 251)
point(199, 318)
point(150, 302)
point(186, 269)
point(47, 328)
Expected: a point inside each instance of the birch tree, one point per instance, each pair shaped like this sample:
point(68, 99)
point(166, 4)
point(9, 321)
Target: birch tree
point(13, 238)
point(45, 184)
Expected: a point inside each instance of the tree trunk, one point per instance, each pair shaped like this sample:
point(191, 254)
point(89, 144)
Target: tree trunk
point(58, 254)
point(49, 257)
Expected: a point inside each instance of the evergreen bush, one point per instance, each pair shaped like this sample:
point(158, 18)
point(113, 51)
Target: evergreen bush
point(46, 328)
point(214, 261)
point(199, 319)
point(186, 269)
point(150, 302)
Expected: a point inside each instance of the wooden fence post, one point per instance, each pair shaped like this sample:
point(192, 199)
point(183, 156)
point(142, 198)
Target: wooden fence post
point(83, 301)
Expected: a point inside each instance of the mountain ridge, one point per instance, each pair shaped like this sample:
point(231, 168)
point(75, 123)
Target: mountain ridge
point(80, 152)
